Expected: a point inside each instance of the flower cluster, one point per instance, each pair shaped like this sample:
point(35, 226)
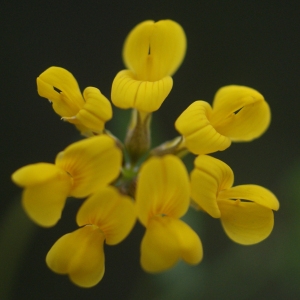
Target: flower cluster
point(122, 182)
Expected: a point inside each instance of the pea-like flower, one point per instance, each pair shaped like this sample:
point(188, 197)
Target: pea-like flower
point(105, 216)
point(123, 181)
point(238, 114)
point(88, 112)
point(246, 211)
point(152, 53)
point(78, 171)
point(162, 197)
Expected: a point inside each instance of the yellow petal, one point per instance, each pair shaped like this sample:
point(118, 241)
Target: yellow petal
point(246, 223)
point(162, 188)
point(111, 211)
point(155, 50)
point(166, 241)
point(35, 174)
point(129, 92)
point(209, 177)
point(240, 113)
point(200, 136)
point(46, 189)
point(92, 163)
point(255, 193)
point(96, 110)
point(68, 100)
point(80, 255)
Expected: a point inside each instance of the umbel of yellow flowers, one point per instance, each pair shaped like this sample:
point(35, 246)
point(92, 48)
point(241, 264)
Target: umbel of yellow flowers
point(149, 185)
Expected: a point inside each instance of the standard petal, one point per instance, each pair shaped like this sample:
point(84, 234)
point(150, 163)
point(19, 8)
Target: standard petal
point(246, 223)
point(92, 163)
point(251, 192)
point(80, 255)
point(199, 134)
point(240, 113)
point(209, 177)
point(96, 110)
point(129, 92)
point(61, 88)
point(155, 50)
point(46, 189)
point(111, 211)
point(166, 241)
point(162, 188)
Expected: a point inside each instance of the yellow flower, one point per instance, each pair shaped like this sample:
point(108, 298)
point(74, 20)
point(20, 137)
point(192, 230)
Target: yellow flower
point(156, 178)
point(238, 114)
point(78, 171)
point(152, 53)
point(246, 211)
point(105, 216)
point(88, 112)
point(162, 197)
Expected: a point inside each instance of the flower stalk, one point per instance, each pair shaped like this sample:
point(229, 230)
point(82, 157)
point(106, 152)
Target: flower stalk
point(138, 137)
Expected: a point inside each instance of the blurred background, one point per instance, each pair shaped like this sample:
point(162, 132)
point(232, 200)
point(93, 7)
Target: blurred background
point(252, 43)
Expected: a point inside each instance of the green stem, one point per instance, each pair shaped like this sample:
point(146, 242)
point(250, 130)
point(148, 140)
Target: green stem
point(138, 139)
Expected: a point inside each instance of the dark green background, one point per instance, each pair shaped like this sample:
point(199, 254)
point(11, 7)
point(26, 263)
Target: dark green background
point(253, 43)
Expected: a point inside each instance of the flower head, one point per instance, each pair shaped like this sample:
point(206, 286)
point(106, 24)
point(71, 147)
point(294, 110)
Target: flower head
point(125, 181)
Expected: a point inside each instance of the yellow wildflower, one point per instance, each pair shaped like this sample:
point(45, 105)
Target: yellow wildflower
point(152, 53)
point(105, 216)
point(156, 179)
point(161, 200)
point(78, 171)
point(88, 112)
point(238, 114)
point(246, 211)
